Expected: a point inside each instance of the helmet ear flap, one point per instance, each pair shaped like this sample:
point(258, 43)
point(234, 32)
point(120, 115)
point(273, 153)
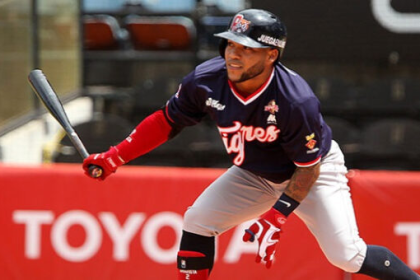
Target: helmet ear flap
point(222, 47)
point(281, 51)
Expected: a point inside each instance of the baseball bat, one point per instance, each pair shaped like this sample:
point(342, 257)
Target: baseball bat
point(49, 98)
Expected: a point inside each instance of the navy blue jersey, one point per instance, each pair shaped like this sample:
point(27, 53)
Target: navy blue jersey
point(270, 132)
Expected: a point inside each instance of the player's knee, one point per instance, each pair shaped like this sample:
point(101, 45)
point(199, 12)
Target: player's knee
point(197, 222)
point(346, 254)
point(348, 264)
point(196, 251)
point(193, 265)
point(191, 260)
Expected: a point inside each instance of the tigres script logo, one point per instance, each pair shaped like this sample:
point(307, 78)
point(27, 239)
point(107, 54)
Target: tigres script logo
point(234, 138)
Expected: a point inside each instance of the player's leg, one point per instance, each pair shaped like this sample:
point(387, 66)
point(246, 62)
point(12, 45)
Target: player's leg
point(195, 257)
point(381, 263)
point(235, 197)
point(328, 212)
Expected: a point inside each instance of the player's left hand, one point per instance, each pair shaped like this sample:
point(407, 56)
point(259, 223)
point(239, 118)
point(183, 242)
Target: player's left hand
point(267, 232)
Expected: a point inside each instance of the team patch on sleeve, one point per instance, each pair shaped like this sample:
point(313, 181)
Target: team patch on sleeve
point(311, 143)
point(311, 148)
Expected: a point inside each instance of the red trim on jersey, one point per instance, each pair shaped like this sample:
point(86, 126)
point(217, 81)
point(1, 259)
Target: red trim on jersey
point(149, 134)
point(307, 164)
point(254, 95)
point(167, 114)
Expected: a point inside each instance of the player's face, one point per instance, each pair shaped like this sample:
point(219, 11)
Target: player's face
point(245, 64)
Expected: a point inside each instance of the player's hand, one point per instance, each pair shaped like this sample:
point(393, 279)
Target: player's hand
point(267, 232)
point(109, 162)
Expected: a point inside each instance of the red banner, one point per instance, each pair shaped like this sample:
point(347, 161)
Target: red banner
point(58, 224)
point(387, 206)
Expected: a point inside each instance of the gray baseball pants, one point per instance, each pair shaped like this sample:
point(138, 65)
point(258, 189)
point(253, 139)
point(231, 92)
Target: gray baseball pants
point(238, 196)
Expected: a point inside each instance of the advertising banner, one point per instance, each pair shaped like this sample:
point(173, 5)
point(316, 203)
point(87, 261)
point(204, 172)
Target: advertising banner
point(58, 224)
point(388, 212)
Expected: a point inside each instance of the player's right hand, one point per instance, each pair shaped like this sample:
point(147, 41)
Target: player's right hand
point(267, 232)
point(109, 162)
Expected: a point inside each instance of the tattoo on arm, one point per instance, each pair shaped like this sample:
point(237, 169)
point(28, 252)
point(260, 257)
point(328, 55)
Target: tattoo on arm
point(302, 181)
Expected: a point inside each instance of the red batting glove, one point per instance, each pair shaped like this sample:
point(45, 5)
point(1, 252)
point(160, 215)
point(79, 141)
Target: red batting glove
point(109, 162)
point(267, 231)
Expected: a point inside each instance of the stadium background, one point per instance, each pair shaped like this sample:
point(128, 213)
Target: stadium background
point(360, 57)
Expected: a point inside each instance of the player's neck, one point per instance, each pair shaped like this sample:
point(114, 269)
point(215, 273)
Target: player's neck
point(249, 87)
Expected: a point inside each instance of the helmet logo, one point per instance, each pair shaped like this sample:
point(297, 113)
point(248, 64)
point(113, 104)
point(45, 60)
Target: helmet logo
point(239, 24)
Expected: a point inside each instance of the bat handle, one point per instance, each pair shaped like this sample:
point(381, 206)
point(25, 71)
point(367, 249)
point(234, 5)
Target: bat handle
point(95, 171)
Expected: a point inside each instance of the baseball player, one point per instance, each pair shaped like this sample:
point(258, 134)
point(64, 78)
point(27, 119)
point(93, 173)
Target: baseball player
point(284, 158)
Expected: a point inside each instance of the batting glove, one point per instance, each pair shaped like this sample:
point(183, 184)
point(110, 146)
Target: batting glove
point(267, 232)
point(109, 162)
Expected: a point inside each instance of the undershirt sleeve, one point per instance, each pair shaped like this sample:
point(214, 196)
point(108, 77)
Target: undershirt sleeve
point(153, 131)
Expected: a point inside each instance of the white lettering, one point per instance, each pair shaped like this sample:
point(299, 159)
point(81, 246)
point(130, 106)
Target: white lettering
point(412, 231)
point(215, 104)
point(237, 247)
point(33, 221)
point(272, 41)
point(241, 134)
point(121, 236)
point(92, 241)
point(150, 234)
point(395, 21)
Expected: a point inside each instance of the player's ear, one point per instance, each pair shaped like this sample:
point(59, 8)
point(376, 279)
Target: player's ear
point(273, 54)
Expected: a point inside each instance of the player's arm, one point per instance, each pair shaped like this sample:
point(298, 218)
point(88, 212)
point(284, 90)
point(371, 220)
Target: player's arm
point(149, 134)
point(267, 229)
point(184, 108)
point(301, 182)
point(304, 130)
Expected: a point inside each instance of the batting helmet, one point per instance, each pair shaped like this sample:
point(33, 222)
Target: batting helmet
point(255, 28)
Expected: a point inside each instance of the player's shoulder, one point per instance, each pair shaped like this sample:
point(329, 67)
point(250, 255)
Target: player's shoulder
point(207, 71)
point(209, 74)
point(292, 85)
point(210, 68)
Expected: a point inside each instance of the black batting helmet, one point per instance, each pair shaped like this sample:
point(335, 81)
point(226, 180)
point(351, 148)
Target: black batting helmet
point(255, 28)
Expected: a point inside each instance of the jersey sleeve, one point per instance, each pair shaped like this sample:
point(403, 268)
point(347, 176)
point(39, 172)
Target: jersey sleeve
point(302, 134)
point(186, 106)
